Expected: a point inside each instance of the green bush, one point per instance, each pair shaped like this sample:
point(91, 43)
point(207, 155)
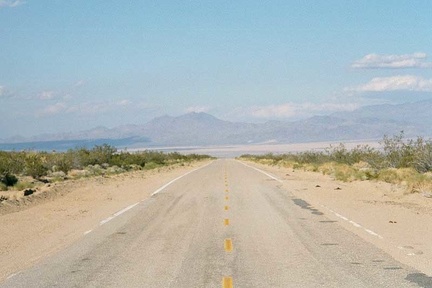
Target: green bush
point(8, 179)
point(34, 165)
point(397, 161)
point(99, 160)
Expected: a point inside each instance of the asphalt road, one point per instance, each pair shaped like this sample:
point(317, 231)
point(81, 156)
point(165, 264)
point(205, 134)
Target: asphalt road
point(225, 225)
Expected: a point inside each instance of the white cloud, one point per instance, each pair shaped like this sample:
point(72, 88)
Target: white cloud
point(286, 110)
point(5, 93)
point(52, 110)
point(198, 109)
point(2, 91)
point(46, 95)
point(296, 110)
point(11, 3)
point(79, 83)
point(95, 108)
point(416, 60)
point(123, 102)
point(395, 83)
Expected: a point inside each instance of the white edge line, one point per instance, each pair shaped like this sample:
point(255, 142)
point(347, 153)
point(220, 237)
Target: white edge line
point(87, 232)
point(106, 220)
point(12, 275)
point(263, 172)
point(353, 223)
point(178, 178)
point(125, 209)
point(118, 214)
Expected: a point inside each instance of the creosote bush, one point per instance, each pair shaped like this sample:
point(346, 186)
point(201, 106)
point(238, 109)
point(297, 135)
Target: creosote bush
point(80, 162)
point(397, 160)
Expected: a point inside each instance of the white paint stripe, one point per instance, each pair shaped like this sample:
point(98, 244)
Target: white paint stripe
point(263, 172)
point(125, 209)
point(118, 214)
point(342, 217)
point(12, 275)
point(355, 224)
point(372, 233)
point(87, 232)
point(352, 222)
point(178, 178)
point(106, 220)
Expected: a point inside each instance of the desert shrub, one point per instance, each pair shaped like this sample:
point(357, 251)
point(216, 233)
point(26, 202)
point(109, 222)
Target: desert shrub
point(309, 157)
point(3, 198)
point(35, 165)
point(398, 153)
point(8, 179)
point(297, 166)
point(327, 168)
point(422, 160)
point(95, 170)
point(152, 165)
point(96, 161)
point(388, 175)
point(398, 161)
point(62, 162)
point(23, 185)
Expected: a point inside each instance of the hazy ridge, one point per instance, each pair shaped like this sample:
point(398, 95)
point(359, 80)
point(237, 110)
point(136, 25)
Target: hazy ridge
point(200, 129)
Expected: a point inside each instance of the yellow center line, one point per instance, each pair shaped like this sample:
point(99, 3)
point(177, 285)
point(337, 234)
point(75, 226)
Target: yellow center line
point(228, 245)
point(226, 208)
point(226, 222)
point(226, 190)
point(226, 198)
point(227, 282)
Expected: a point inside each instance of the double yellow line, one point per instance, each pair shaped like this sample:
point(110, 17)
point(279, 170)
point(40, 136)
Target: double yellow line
point(227, 282)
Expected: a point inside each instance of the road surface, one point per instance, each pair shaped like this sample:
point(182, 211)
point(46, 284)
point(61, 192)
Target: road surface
point(224, 225)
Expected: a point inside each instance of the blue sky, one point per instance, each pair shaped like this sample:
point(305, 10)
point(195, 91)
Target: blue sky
point(73, 65)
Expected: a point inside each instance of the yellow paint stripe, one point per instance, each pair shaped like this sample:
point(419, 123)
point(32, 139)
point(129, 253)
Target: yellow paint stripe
point(228, 245)
point(226, 208)
point(226, 190)
point(227, 282)
point(226, 222)
point(226, 198)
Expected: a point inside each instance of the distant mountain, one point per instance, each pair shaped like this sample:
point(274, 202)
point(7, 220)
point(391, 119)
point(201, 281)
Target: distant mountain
point(198, 129)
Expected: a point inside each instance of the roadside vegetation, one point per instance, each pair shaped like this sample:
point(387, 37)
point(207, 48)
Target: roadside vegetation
point(407, 162)
point(20, 170)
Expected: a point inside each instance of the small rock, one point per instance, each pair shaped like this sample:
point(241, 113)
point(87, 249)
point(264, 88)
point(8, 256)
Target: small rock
point(338, 188)
point(28, 192)
point(393, 222)
point(317, 186)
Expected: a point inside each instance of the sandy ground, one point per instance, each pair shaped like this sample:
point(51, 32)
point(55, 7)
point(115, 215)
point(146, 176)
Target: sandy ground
point(56, 216)
point(381, 213)
point(50, 221)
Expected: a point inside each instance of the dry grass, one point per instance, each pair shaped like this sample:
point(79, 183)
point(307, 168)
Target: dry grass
point(413, 181)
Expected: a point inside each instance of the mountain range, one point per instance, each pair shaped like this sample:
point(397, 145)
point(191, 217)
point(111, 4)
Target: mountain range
point(201, 129)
